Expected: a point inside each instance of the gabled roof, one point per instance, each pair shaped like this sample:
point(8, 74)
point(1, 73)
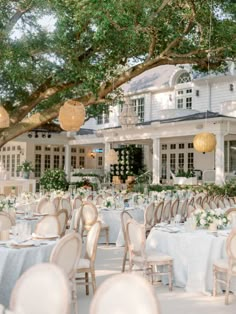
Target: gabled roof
point(157, 77)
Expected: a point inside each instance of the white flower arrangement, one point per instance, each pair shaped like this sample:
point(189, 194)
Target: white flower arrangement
point(27, 196)
point(109, 202)
point(205, 218)
point(5, 205)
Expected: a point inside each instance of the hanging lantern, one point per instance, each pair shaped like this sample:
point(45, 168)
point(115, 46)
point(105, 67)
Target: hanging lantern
point(204, 142)
point(4, 118)
point(71, 115)
point(128, 116)
point(112, 157)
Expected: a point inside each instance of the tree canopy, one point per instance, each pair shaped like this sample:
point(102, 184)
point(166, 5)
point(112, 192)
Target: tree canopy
point(56, 50)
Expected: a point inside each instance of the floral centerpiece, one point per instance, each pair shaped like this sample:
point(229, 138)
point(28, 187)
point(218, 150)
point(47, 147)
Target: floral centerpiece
point(6, 204)
point(26, 167)
point(208, 217)
point(109, 202)
point(27, 197)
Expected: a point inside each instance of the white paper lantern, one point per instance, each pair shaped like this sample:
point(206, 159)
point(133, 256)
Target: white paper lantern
point(71, 115)
point(4, 118)
point(204, 142)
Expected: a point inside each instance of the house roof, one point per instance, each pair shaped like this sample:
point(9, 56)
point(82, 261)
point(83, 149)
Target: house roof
point(157, 77)
point(84, 131)
point(196, 116)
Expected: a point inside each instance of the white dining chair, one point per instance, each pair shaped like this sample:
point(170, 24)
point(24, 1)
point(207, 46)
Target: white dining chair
point(86, 264)
point(227, 267)
point(42, 289)
point(66, 255)
point(65, 204)
point(77, 203)
point(125, 294)
point(62, 216)
point(150, 263)
point(125, 217)
point(75, 222)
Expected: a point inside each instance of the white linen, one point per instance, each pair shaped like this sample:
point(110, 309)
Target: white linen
point(111, 217)
point(14, 262)
point(193, 254)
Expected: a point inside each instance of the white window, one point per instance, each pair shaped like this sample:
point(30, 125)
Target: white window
point(104, 117)
point(139, 108)
point(184, 98)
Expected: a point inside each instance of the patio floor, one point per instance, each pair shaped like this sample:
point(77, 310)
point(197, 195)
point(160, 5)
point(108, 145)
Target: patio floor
point(108, 263)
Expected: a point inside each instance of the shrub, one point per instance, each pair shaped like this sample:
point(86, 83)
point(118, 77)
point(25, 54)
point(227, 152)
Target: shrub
point(54, 180)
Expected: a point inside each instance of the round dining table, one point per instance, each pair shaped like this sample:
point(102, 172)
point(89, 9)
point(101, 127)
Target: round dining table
point(193, 254)
point(111, 217)
point(14, 261)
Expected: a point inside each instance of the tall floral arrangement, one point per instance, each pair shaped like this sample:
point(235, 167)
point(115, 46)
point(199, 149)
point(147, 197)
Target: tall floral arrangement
point(54, 180)
point(26, 166)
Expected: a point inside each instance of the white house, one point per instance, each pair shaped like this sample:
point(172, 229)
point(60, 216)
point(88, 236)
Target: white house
point(173, 104)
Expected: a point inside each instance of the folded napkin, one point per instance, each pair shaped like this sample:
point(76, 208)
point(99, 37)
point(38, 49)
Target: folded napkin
point(45, 236)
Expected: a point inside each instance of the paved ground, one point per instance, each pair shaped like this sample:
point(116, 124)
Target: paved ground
point(109, 261)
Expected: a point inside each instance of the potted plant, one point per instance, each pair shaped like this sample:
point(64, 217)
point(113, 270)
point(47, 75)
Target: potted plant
point(26, 167)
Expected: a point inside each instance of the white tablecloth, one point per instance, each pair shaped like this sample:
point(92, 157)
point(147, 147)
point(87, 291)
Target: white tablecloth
point(14, 262)
point(193, 254)
point(112, 218)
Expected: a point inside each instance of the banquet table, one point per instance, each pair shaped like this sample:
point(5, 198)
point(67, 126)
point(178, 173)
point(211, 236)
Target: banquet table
point(193, 254)
point(111, 217)
point(15, 261)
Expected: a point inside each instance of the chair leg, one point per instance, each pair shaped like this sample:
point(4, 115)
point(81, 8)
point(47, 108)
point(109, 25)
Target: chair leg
point(107, 237)
point(214, 282)
point(87, 283)
point(93, 280)
point(74, 298)
point(170, 270)
point(124, 259)
point(227, 289)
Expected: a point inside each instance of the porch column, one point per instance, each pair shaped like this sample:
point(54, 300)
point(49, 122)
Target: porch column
point(67, 161)
point(219, 160)
point(156, 161)
point(106, 151)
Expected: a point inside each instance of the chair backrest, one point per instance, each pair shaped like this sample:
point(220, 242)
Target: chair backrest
point(76, 220)
point(99, 200)
point(125, 217)
point(158, 212)
point(56, 202)
point(42, 289)
point(226, 202)
point(89, 197)
point(149, 217)
point(198, 200)
point(92, 241)
point(65, 204)
point(48, 225)
point(220, 204)
point(136, 238)
point(231, 248)
point(89, 213)
point(213, 205)
point(191, 201)
point(205, 205)
point(77, 203)
point(66, 253)
point(46, 207)
point(62, 216)
point(184, 210)
point(41, 204)
point(231, 211)
point(232, 201)
point(191, 210)
point(6, 221)
point(142, 300)
point(166, 212)
point(175, 207)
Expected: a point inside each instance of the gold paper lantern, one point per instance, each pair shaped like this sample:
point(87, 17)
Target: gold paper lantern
point(204, 142)
point(71, 115)
point(4, 118)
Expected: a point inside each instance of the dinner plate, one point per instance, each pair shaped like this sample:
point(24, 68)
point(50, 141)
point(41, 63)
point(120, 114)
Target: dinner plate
point(40, 214)
point(14, 244)
point(46, 236)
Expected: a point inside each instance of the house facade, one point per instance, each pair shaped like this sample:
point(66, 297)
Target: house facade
point(173, 104)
